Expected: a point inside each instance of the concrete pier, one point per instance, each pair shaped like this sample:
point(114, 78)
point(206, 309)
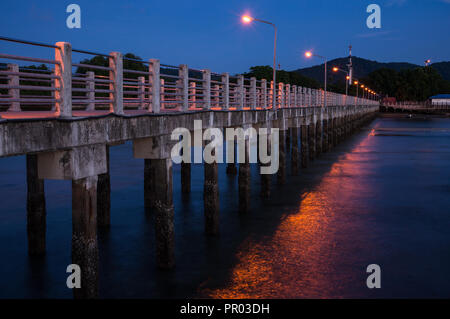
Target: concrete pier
point(36, 213)
point(304, 145)
point(244, 181)
point(161, 171)
point(318, 136)
point(211, 199)
point(148, 190)
point(185, 178)
point(281, 174)
point(295, 151)
point(104, 196)
point(325, 142)
point(266, 179)
point(312, 139)
point(84, 235)
point(231, 167)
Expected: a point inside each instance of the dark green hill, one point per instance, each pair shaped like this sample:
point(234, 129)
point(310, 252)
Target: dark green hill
point(363, 67)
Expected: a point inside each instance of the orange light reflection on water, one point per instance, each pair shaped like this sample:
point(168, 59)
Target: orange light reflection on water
point(301, 257)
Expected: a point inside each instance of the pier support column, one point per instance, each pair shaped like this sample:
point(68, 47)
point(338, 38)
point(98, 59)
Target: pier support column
point(158, 171)
point(304, 145)
point(104, 196)
point(335, 130)
point(185, 178)
point(82, 165)
point(312, 139)
point(325, 143)
point(244, 181)
point(36, 213)
point(231, 167)
point(266, 179)
point(164, 212)
point(281, 174)
point(295, 163)
point(330, 132)
point(149, 193)
point(211, 199)
point(84, 235)
point(319, 136)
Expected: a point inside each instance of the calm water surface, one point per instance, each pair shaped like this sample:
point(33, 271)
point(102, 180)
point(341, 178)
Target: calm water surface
point(382, 196)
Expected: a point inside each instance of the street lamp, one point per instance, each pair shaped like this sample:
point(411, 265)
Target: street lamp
point(347, 77)
point(309, 54)
point(248, 19)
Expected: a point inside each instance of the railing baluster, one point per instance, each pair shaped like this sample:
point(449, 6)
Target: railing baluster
point(155, 82)
point(116, 75)
point(13, 80)
point(63, 69)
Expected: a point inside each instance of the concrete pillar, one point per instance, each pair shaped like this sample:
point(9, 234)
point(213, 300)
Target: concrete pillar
point(141, 92)
point(84, 235)
point(241, 92)
point(295, 96)
point(90, 85)
point(206, 89)
point(266, 179)
point(226, 91)
point(288, 95)
point(281, 95)
point(13, 80)
point(244, 181)
point(319, 134)
point(116, 75)
point(155, 82)
point(312, 139)
point(335, 130)
point(295, 163)
point(281, 174)
point(330, 131)
point(211, 198)
point(264, 93)
point(183, 73)
point(304, 145)
point(325, 142)
point(161, 171)
point(253, 96)
point(36, 213)
point(231, 167)
point(104, 196)
point(185, 178)
point(63, 55)
point(149, 193)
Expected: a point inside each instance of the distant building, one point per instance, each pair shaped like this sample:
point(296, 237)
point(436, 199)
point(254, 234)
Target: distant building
point(440, 99)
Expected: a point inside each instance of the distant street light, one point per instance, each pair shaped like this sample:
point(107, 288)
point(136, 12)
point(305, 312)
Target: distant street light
point(309, 54)
point(347, 77)
point(428, 61)
point(248, 19)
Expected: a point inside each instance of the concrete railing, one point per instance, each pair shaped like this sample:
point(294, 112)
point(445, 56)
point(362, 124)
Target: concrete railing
point(159, 88)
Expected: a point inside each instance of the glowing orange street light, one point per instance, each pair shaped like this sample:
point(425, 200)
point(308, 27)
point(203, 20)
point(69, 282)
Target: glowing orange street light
point(247, 19)
point(362, 85)
point(308, 54)
point(347, 77)
point(335, 69)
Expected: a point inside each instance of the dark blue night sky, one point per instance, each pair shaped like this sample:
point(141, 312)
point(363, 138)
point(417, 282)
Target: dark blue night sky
point(209, 34)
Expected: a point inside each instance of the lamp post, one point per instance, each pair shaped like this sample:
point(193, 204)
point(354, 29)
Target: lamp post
point(309, 54)
point(347, 77)
point(248, 19)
